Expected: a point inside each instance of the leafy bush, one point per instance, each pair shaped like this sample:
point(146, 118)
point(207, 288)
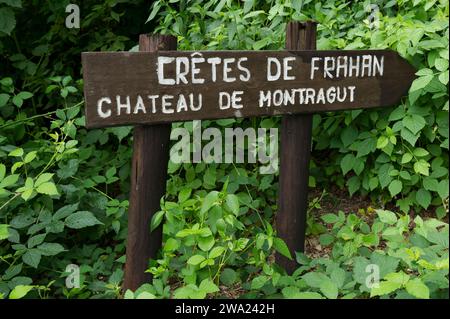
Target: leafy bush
point(369, 254)
point(59, 203)
point(411, 261)
point(390, 154)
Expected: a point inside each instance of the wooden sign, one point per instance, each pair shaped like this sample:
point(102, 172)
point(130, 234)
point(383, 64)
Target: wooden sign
point(159, 87)
point(124, 88)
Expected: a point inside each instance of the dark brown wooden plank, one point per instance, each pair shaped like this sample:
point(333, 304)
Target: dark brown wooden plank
point(134, 75)
point(148, 185)
point(294, 161)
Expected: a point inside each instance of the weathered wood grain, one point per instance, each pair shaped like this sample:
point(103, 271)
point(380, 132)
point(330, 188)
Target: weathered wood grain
point(148, 185)
point(295, 150)
point(134, 74)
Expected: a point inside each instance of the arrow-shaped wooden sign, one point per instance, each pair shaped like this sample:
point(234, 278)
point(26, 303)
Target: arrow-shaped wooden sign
point(124, 88)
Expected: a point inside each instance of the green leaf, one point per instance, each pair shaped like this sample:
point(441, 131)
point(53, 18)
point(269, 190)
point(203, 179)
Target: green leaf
point(35, 240)
point(9, 180)
point(206, 243)
point(349, 135)
point(16, 152)
point(405, 175)
point(418, 289)
point(195, 260)
point(4, 98)
point(425, 71)
point(240, 244)
point(382, 142)
point(146, 295)
point(16, 166)
point(329, 289)
point(228, 276)
point(121, 132)
point(359, 269)
point(50, 249)
point(156, 220)
point(7, 20)
point(20, 291)
point(443, 189)
point(330, 218)
point(407, 135)
point(2, 171)
point(259, 282)
point(30, 157)
point(422, 167)
point(431, 184)
point(189, 292)
point(338, 276)
point(184, 194)
point(291, 292)
point(441, 64)
point(386, 216)
point(32, 257)
point(81, 219)
point(209, 201)
point(395, 187)
point(315, 279)
point(423, 197)
point(347, 163)
point(281, 247)
point(373, 183)
point(25, 95)
point(440, 238)
point(370, 240)
point(444, 77)
point(384, 288)
point(248, 5)
point(12, 271)
point(397, 277)
point(232, 202)
point(6, 81)
point(414, 123)
point(358, 166)
point(367, 146)
point(386, 264)
point(65, 211)
point(12, 3)
point(397, 114)
point(216, 252)
point(47, 188)
point(420, 82)
point(383, 175)
point(406, 158)
point(420, 152)
point(171, 245)
point(17, 101)
point(326, 239)
point(208, 286)
point(43, 178)
point(156, 7)
point(68, 169)
point(354, 184)
point(4, 231)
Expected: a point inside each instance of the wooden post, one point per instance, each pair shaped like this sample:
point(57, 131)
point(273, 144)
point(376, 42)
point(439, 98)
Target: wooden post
point(294, 160)
point(148, 184)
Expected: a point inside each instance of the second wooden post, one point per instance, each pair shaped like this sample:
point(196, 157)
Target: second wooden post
point(294, 160)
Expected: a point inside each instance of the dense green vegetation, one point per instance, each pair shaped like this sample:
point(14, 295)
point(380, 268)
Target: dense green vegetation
point(64, 189)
